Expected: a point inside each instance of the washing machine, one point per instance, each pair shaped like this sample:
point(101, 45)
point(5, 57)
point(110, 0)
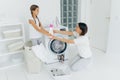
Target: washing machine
point(56, 48)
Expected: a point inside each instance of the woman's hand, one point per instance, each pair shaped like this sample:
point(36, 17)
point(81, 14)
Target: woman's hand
point(52, 37)
point(63, 32)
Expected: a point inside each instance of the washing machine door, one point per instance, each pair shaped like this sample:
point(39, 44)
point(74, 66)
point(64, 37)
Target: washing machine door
point(57, 46)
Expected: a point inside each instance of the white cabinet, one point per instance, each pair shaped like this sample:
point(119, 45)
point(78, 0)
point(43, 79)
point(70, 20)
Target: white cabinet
point(11, 34)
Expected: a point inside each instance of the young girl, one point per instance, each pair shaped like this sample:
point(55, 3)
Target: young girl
point(36, 27)
point(81, 41)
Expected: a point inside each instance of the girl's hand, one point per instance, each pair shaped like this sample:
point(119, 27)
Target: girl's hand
point(53, 37)
point(55, 31)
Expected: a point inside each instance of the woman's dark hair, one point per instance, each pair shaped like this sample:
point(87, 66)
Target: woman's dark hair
point(83, 27)
point(33, 8)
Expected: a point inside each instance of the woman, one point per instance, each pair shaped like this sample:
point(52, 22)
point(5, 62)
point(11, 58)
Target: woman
point(36, 27)
point(81, 41)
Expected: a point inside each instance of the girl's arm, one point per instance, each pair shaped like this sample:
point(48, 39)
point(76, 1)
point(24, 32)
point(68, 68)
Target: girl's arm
point(40, 29)
point(45, 31)
point(63, 32)
point(63, 40)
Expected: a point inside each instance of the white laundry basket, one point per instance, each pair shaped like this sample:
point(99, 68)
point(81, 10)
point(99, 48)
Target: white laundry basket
point(33, 64)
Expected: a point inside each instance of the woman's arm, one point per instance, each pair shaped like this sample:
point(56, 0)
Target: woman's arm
point(63, 32)
point(40, 29)
point(63, 40)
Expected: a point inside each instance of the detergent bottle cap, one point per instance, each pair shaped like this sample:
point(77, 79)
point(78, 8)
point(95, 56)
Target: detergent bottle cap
point(51, 25)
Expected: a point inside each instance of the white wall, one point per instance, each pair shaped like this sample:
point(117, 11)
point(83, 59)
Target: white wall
point(84, 12)
point(81, 10)
point(11, 9)
point(114, 30)
point(19, 9)
point(113, 44)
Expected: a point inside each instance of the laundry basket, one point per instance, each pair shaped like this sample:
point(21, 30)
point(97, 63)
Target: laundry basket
point(33, 64)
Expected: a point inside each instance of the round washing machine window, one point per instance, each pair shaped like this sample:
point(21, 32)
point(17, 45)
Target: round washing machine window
point(57, 46)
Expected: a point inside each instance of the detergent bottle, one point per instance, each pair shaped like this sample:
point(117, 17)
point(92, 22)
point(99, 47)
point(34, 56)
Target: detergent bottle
point(51, 29)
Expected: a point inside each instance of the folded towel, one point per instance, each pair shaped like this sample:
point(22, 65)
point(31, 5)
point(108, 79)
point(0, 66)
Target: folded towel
point(15, 46)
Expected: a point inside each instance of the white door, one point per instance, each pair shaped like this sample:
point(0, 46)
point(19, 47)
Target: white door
point(99, 23)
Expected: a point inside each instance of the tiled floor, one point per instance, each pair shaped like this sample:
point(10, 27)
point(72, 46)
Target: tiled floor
point(104, 67)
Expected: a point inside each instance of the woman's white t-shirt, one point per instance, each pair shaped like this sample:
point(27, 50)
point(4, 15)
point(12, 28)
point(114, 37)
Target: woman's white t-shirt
point(83, 46)
point(33, 32)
